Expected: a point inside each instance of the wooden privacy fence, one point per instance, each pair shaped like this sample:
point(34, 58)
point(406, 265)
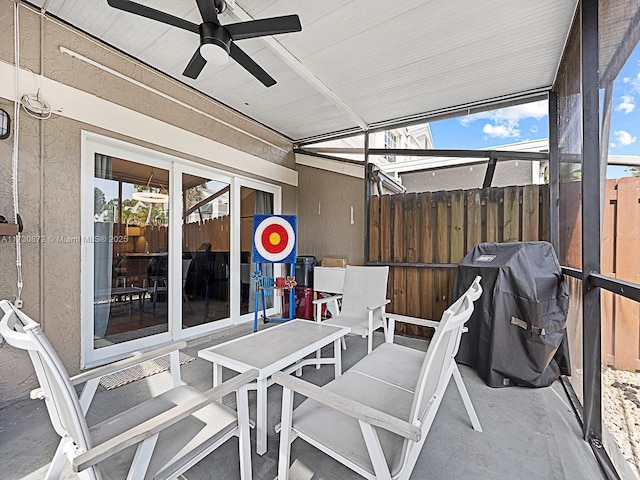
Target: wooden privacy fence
point(620, 258)
point(214, 232)
point(439, 228)
point(426, 231)
point(621, 242)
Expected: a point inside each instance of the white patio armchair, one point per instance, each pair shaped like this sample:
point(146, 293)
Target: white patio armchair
point(375, 417)
point(159, 438)
point(363, 302)
point(186, 263)
point(451, 369)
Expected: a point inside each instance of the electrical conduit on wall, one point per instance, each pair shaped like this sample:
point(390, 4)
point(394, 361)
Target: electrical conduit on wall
point(14, 162)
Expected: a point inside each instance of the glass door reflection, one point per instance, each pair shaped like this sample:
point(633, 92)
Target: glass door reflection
point(252, 202)
point(206, 244)
point(131, 233)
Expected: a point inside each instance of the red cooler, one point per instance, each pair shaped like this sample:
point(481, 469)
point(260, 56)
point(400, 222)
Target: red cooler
point(304, 303)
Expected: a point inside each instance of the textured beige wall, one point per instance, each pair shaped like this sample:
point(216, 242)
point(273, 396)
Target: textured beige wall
point(49, 174)
point(16, 373)
point(330, 232)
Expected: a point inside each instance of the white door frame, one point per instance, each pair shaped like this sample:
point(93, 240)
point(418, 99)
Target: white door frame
point(276, 191)
point(175, 297)
point(93, 143)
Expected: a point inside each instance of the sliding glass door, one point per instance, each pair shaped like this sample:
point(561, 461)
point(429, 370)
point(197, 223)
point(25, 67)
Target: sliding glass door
point(130, 247)
point(126, 230)
point(168, 244)
point(205, 250)
point(255, 198)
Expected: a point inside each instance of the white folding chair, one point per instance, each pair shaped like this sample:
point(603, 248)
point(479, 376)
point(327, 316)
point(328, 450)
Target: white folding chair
point(186, 263)
point(159, 438)
point(363, 302)
point(375, 417)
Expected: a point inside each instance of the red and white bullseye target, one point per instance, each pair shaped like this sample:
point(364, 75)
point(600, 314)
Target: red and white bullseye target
point(274, 239)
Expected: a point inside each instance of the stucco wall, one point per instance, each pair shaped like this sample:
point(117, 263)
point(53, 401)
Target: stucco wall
point(49, 172)
point(324, 215)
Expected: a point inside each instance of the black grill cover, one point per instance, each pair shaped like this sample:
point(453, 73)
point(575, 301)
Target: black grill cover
point(517, 331)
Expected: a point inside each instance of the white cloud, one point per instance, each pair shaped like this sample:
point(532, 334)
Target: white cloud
point(626, 80)
point(534, 129)
point(512, 115)
point(627, 104)
point(501, 131)
point(623, 139)
point(505, 121)
point(635, 82)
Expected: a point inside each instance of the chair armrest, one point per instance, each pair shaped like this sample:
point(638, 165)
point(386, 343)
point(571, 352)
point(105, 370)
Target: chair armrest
point(320, 301)
point(379, 305)
point(414, 320)
point(349, 407)
point(155, 425)
point(117, 366)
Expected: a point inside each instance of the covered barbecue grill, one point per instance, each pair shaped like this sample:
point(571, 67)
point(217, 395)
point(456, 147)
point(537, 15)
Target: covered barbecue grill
point(517, 331)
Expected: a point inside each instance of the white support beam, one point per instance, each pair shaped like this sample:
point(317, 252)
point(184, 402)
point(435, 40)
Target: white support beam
point(235, 11)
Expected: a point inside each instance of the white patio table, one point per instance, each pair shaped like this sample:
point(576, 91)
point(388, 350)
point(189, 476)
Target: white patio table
point(280, 348)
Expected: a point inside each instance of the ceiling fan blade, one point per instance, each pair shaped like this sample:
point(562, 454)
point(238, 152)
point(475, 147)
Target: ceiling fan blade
point(265, 26)
point(207, 11)
point(196, 64)
point(252, 67)
point(153, 14)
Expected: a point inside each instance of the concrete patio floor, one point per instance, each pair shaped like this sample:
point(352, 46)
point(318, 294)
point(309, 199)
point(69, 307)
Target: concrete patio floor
point(528, 433)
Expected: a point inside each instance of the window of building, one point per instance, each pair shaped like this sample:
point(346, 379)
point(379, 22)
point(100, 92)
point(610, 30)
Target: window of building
point(390, 141)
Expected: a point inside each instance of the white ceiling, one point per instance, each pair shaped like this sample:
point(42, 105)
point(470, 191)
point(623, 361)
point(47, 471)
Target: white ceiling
point(356, 62)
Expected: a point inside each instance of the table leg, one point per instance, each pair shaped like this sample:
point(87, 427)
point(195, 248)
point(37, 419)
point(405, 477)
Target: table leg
point(337, 356)
point(217, 374)
point(261, 420)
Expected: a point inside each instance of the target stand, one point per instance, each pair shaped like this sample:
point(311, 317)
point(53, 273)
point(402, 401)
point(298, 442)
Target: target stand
point(274, 241)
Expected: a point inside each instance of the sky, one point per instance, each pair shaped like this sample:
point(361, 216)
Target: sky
point(495, 127)
point(530, 122)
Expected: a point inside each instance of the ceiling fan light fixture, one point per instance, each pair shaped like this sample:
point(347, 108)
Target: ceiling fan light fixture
point(214, 53)
point(215, 43)
point(150, 197)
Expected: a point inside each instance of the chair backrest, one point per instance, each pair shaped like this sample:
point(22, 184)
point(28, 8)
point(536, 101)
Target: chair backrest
point(186, 263)
point(438, 362)
point(363, 286)
point(61, 399)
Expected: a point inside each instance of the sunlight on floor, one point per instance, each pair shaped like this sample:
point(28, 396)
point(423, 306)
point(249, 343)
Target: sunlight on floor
point(299, 471)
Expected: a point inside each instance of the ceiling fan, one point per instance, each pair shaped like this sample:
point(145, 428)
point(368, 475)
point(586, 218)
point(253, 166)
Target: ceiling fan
point(217, 42)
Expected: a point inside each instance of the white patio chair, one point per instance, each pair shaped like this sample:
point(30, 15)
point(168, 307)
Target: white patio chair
point(375, 417)
point(160, 438)
point(363, 302)
point(186, 263)
point(395, 350)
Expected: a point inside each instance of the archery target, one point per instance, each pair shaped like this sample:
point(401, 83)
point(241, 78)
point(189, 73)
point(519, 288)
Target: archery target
point(274, 239)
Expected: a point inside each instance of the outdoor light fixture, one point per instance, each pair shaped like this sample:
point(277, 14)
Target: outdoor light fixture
point(5, 125)
point(149, 196)
point(133, 231)
point(215, 43)
point(214, 54)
